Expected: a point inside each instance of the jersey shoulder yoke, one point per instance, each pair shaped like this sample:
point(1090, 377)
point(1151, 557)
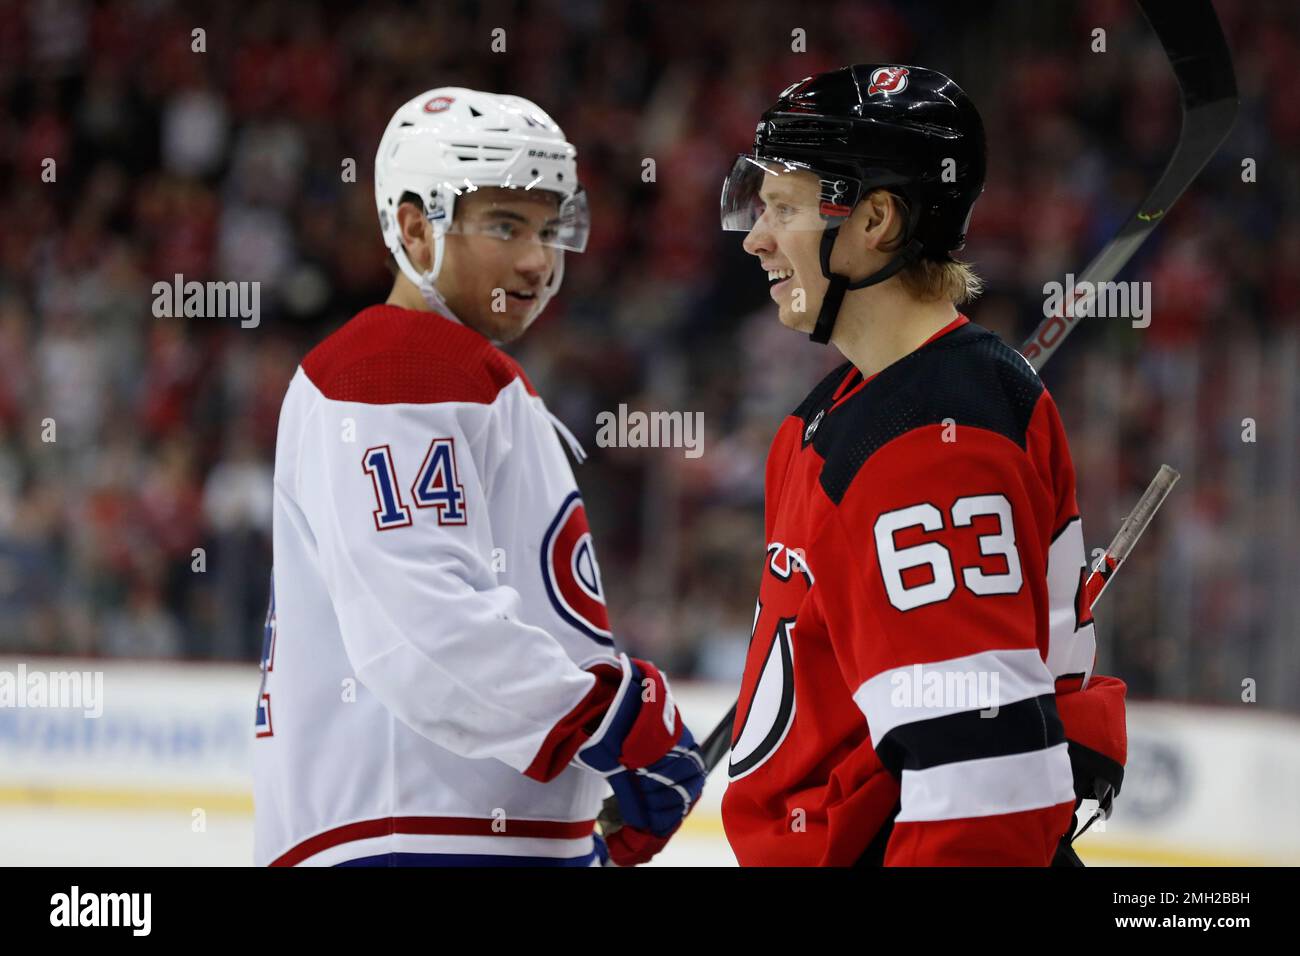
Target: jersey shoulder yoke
point(968, 377)
point(387, 354)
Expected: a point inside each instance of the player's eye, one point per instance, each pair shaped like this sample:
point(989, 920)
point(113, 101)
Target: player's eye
point(500, 230)
point(549, 233)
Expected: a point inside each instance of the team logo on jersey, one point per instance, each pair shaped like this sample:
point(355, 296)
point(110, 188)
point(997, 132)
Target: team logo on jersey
point(888, 80)
point(262, 722)
point(262, 725)
point(766, 708)
point(768, 705)
point(812, 426)
point(439, 104)
point(1082, 602)
point(571, 573)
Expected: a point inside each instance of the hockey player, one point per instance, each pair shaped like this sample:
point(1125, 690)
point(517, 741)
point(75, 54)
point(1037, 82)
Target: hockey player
point(919, 679)
point(440, 681)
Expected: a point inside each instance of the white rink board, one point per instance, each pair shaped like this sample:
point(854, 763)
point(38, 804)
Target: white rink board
point(1204, 786)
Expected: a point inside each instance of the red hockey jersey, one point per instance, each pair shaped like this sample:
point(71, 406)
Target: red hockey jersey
point(921, 603)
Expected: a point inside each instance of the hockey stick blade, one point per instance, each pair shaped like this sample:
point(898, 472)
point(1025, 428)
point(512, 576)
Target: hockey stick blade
point(1192, 39)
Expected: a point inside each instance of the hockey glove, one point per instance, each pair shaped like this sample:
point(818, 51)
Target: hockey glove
point(649, 758)
point(1095, 728)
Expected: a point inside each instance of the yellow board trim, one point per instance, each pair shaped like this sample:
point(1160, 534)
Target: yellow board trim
point(108, 798)
point(1092, 848)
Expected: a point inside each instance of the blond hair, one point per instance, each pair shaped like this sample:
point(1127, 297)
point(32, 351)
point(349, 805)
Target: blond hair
point(932, 280)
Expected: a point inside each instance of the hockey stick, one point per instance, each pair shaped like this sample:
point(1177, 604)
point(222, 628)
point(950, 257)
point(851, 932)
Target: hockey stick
point(1129, 531)
point(1190, 33)
point(717, 744)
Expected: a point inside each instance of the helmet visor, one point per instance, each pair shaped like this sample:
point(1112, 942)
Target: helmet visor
point(520, 214)
point(792, 195)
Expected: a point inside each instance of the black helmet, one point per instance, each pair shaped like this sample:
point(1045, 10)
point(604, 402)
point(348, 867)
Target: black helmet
point(910, 130)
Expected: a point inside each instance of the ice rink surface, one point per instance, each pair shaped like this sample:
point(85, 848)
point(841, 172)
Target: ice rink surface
point(69, 836)
point(72, 836)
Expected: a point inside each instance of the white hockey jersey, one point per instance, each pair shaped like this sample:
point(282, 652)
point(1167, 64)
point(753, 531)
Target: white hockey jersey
point(435, 601)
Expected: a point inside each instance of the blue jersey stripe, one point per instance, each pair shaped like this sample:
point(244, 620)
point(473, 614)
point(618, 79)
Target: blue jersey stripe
point(467, 859)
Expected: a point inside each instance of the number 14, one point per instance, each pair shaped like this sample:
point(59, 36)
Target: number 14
point(437, 485)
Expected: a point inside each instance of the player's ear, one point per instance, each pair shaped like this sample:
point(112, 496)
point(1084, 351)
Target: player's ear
point(879, 219)
point(863, 234)
point(416, 234)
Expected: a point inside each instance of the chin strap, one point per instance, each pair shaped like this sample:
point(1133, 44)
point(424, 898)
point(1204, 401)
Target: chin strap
point(839, 284)
point(424, 281)
point(552, 286)
point(433, 298)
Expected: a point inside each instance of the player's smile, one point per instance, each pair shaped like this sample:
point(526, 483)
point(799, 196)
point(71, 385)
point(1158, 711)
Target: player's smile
point(780, 280)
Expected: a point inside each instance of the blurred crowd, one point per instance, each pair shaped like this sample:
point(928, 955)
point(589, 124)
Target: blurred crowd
point(136, 452)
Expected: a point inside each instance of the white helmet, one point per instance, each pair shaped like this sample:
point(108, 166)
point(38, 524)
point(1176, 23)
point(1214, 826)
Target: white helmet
point(450, 141)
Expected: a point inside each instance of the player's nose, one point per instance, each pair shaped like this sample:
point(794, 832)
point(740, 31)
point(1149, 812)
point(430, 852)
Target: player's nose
point(758, 242)
point(535, 262)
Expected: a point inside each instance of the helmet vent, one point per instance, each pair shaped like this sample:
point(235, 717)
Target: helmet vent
point(808, 132)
